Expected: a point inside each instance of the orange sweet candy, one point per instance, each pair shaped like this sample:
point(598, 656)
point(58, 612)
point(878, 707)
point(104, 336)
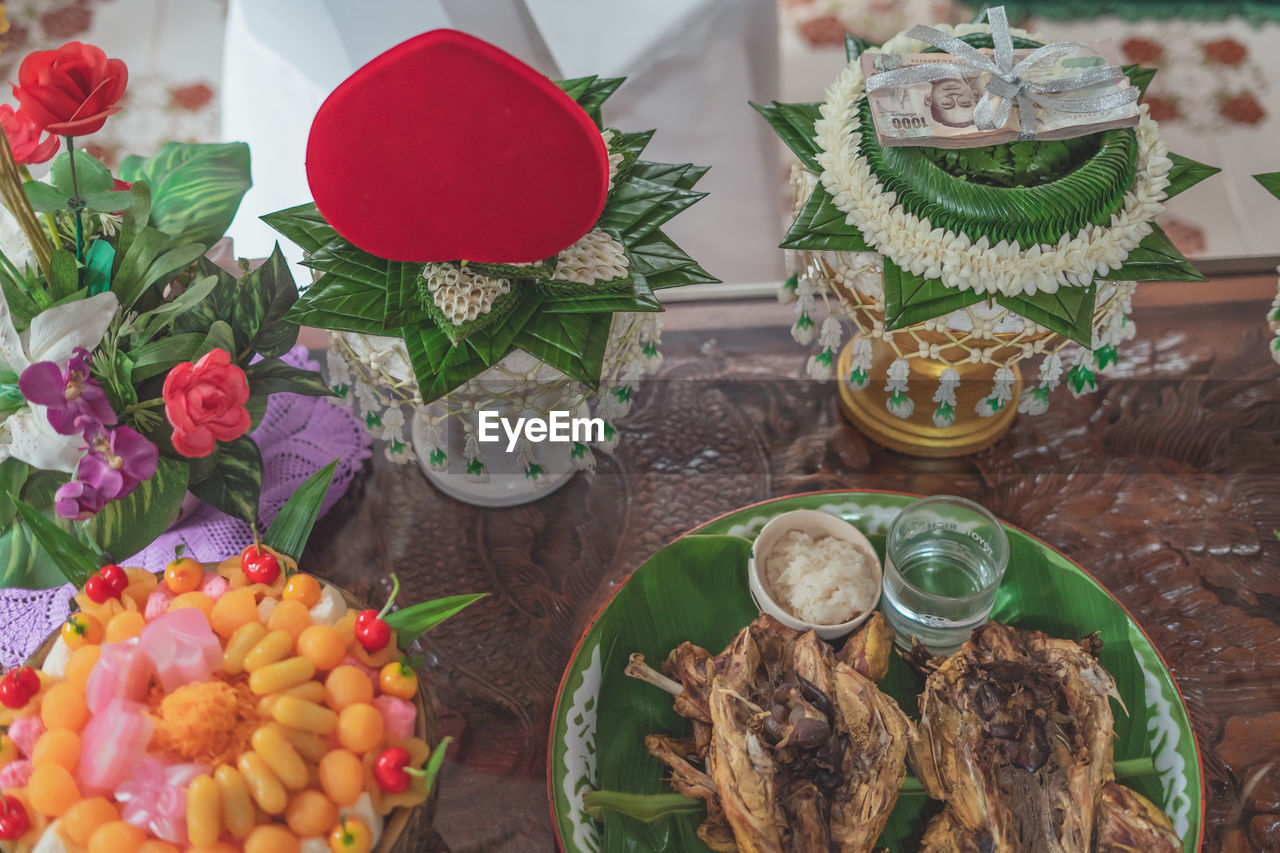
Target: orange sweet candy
point(80, 665)
point(289, 615)
point(64, 708)
point(198, 600)
point(271, 838)
point(347, 685)
point(302, 587)
point(322, 645)
point(342, 776)
point(236, 608)
point(141, 584)
point(155, 845)
point(116, 837)
point(360, 727)
point(311, 813)
point(125, 626)
point(52, 790)
point(57, 746)
point(82, 819)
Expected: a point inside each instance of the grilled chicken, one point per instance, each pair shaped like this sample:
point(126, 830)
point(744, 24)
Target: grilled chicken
point(1130, 823)
point(1016, 736)
point(805, 754)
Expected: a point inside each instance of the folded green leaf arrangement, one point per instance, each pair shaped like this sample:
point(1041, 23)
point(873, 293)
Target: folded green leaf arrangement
point(458, 317)
point(1036, 227)
point(131, 366)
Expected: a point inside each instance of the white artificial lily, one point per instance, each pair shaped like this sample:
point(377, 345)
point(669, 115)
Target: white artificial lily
point(53, 336)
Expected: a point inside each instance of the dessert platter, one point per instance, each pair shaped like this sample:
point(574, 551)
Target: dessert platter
point(1056, 721)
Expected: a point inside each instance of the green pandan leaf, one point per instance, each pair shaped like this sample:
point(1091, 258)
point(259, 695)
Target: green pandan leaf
point(572, 343)
point(631, 202)
point(1069, 311)
point(683, 175)
point(126, 526)
point(196, 187)
point(854, 46)
point(403, 305)
point(794, 125)
point(591, 92)
point(303, 225)
point(341, 304)
point(645, 808)
point(911, 299)
point(1186, 173)
point(1270, 182)
point(664, 264)
point(438, 365)
point(74, 559)
point(343, 259)
point(821, 226)
point(235, 481)
point(292, 526)
point(410, 623)
point(1156, 259)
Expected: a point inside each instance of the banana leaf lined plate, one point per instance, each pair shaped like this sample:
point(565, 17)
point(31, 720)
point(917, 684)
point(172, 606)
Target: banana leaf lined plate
point(696, 589)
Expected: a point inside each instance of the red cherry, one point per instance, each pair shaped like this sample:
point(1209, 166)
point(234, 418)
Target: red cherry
point(28, 680)
point(98, 590)
point(372, 632)
point(117, 580)
point(18, 687)
point(14, 820)
point(259, 565)
point(11, 694)
point(389, 770)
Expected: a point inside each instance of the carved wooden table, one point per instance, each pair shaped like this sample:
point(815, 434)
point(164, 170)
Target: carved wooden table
point(1165, 484)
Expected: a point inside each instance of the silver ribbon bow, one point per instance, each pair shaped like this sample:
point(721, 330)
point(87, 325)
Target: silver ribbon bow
point(1006, 86)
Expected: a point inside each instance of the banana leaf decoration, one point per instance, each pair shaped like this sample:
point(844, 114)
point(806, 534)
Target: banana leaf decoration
point(1030, 192)
point(563, 323)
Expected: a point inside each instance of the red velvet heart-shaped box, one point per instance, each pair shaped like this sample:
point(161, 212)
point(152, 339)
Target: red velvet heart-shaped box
point(447, 148)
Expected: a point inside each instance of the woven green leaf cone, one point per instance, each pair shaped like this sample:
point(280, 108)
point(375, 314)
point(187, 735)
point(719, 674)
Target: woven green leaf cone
point(563, 323)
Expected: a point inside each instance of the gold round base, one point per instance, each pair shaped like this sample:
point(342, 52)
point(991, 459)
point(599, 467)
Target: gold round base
point(916, 435)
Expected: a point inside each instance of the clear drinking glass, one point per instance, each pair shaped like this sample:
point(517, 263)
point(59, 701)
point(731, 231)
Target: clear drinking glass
point(944, 559)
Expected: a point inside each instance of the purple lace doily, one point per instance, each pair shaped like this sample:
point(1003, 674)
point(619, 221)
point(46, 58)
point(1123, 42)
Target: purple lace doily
point(298, 436)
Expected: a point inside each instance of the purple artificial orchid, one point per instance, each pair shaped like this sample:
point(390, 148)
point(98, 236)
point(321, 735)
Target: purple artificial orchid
point(75, 402)
point(116, 462)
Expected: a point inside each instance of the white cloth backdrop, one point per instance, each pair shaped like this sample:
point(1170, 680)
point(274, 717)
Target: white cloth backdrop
point(691, 66)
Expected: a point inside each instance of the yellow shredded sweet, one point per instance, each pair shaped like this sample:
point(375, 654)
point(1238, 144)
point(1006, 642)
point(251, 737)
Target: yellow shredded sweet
point(208, 722)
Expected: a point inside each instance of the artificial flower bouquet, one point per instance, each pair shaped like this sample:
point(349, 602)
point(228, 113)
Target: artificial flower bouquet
point(131, 365)
point(243, 706)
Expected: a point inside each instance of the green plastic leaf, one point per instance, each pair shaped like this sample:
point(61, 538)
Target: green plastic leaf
point(152, 258)
point(1270, 182)
point(111, 201)
point(13, 473)
point(794, 125)
point(1156, 259)
point(220, 337)
point(435, 762)
point(235, 482)
point(64, 274)
point(196, 187)
point(92, 176)
point(161, 355)
point(911, 299)
point(273, 376)
point(1186, 173)
point(292, 526)
point(153, 322)
point(303, 225)
point(45, 198)
point(410, 623)
point(126, 526)
point(262, 301)
point(820, 225)
point(73, 558)
point(1068, 311)
point(98, 262)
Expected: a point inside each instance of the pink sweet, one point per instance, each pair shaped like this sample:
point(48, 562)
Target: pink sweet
point(214, 585)
point(182, 648)
point(122, 672)
point(158, 602)
point(25, 731)
point(15, 774)
point(155, 799)
point(112, 745)
point(397, 715)
point(352, 660)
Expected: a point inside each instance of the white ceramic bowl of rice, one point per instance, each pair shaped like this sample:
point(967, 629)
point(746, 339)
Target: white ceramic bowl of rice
point(811, 570)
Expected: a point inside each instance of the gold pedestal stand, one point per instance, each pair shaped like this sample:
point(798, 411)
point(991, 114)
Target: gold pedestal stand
point(917, 435)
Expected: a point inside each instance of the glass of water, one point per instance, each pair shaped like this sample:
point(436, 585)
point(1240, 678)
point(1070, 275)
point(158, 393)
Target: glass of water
point(944, 559)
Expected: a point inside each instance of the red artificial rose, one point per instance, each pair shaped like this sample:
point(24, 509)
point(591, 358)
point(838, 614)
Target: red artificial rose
point(1226, 51)
point(24, 137)
point(70, 91)
point(205, 402)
